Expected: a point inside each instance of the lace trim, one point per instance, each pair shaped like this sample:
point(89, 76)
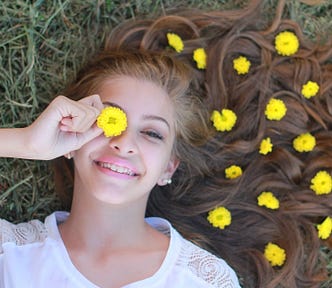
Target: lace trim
point(23, 233)
point(206, 266)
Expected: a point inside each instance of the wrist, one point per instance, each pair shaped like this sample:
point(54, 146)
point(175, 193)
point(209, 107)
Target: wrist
point(30, 150)
point(14, 143)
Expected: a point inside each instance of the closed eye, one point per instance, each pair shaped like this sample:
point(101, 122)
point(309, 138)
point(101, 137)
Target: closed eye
point(153, 134)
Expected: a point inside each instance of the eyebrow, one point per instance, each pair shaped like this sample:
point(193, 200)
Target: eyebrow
point(145, 117)
point(107, 103)
point(157, 118)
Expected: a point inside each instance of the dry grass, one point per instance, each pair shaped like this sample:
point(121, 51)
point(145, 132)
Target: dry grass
point(43, 42)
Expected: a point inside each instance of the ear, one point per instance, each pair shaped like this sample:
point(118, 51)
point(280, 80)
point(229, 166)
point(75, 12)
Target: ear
point(169, 171)
point(69, 155)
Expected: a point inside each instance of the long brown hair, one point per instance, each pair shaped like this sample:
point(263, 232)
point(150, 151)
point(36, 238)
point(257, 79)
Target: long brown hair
point(200, 185)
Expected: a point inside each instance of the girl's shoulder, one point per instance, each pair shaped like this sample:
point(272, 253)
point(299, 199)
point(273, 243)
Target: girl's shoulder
point(198, 266)
point(206, 266)
point(22, 233)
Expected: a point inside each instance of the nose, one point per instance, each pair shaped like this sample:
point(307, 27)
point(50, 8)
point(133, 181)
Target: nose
point(124, 143)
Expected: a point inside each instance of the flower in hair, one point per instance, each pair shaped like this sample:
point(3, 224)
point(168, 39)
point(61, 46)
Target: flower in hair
point(310, 89)
point(175, 41)
point(266, 146)
point(241, 65)
point(304, 142)
point(220, 217)
point(275, 254)
point(200, 58)
point(325, 228)
point(268, 200)
point(112, 120)
point(321, 183)
point(233, 172)
point(223, 121)
point(286, 43)
point(275, 109)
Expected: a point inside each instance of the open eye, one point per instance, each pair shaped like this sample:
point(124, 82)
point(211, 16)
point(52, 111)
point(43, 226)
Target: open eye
point(153, 134)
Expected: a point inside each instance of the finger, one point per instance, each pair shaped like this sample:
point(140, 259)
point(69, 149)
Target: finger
point(87, 136)
point(80, 116)
point(93, 101)
point(77, 124)
point(66, 124)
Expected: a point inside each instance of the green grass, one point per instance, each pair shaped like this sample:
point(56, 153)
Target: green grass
point(43, 42)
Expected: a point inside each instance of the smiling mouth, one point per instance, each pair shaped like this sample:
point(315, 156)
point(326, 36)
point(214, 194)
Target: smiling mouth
point(116, 168)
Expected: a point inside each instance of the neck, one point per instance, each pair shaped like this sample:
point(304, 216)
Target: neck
point(121, 225)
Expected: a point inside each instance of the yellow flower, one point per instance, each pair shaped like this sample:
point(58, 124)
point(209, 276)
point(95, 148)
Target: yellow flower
point(304, 142)
point(112, 120)
point(274, 254)
point(325, 228)
point(175, 41)
point(266, 146)
point(233, 172)
point(220, 217)
point(200, 58)
point(241, 65)
point(223, 121)
point(286, 43)
point(310, 89)
point(275, 109)
point(268, 200)
point(321, 183)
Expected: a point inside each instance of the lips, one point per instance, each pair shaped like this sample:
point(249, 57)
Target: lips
point(116, 168)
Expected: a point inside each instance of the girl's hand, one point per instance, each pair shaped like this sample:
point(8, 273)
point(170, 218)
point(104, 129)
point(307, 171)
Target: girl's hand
point(64, 126)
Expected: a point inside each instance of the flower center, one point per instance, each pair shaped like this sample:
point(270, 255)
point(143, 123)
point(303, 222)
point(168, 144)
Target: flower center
point(111, 120)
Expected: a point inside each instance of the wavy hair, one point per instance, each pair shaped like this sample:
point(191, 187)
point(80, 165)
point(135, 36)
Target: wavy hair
point(200, 185)
point(226, 35)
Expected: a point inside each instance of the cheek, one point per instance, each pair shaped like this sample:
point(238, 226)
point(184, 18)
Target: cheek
point(157, 161)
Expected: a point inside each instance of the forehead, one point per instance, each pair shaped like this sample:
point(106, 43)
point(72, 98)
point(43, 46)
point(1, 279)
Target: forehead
point(137, 96)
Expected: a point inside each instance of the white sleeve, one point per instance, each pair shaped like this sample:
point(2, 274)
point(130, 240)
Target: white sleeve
point(23, 233)
point(206, 266)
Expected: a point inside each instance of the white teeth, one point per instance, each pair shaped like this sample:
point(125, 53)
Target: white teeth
point(116, 168)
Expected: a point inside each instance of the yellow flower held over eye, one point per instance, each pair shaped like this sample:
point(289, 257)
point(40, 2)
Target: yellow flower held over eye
point(175, 41)
point(275, 109)
point(112, 120)
point(286, 43)
point(233, 172)
point(321, 183)
point(220, 217)
point(200, 58)
point(268, 200)
point(310, 89)
point(223, 121)
point(325, 228)
point(266, 146)
point(275, 254)
point(304, 142)
point(241, 65)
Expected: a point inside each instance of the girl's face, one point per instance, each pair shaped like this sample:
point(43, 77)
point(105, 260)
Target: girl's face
point(125, 168)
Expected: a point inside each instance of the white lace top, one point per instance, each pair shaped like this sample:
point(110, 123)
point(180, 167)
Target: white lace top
point(33, 255)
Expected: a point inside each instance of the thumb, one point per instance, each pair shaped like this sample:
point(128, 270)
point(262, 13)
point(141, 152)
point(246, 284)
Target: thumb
point(85, 137)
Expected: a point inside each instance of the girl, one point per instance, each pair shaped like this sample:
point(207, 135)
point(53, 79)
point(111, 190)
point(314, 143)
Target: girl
point(105, 241)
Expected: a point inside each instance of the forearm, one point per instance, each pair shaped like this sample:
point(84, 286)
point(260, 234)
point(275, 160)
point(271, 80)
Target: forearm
point(14, 143)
